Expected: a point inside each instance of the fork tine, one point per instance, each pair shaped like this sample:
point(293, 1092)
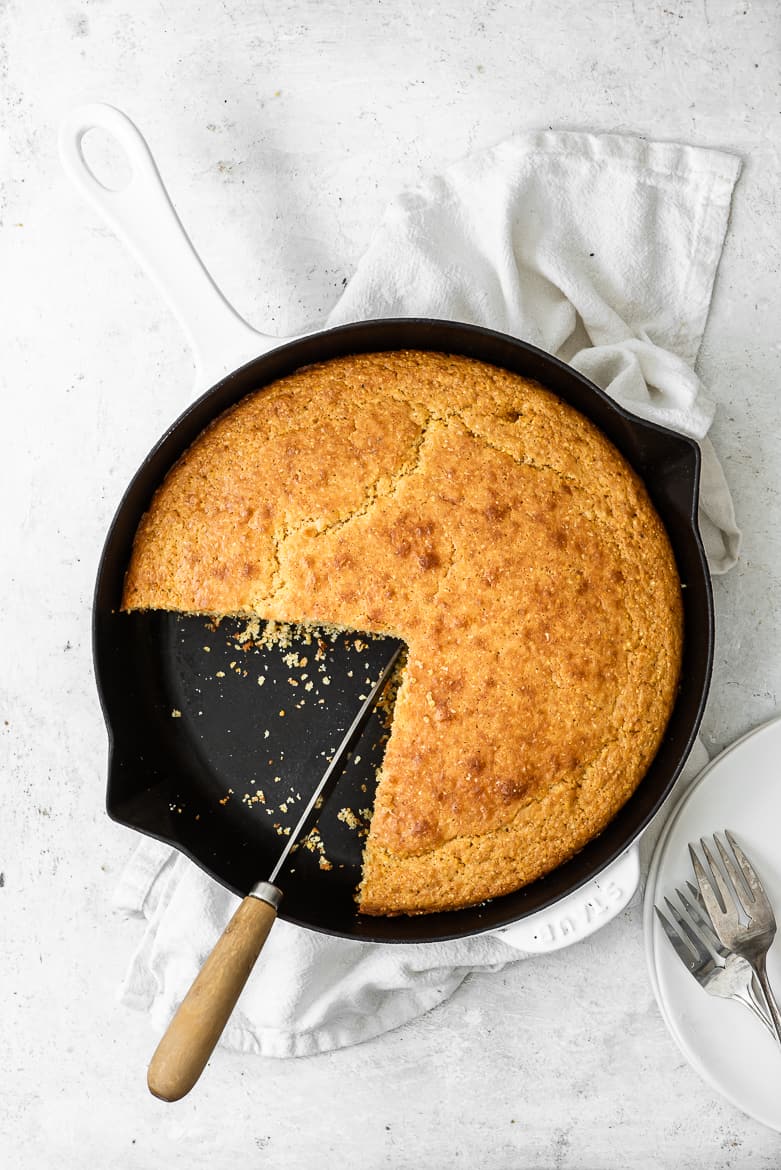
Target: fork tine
point(681, 949)
point(697, 913)
point(750, 874)
point(741, 889)
point(701, 951)
point(730, 899)
point(695, 893)
point(709, 896)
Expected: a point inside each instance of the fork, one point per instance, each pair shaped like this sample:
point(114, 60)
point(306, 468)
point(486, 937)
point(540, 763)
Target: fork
point(739, 910)
point(700, 951)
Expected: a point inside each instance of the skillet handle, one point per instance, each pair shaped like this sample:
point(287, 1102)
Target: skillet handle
point(189, 1041)
point(142, 215)
point(580, 914)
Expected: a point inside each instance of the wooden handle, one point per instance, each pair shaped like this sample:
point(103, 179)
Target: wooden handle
point(181, 1055)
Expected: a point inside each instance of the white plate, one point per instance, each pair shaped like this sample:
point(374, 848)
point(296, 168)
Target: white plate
point(729, 1048)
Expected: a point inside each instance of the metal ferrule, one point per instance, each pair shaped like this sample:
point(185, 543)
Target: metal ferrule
point(267, 893)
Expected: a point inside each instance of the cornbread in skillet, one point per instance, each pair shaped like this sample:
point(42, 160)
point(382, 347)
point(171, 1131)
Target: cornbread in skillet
point(471, 513)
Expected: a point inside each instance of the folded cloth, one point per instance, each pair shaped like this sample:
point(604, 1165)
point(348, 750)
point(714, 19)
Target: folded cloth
point(602, 250)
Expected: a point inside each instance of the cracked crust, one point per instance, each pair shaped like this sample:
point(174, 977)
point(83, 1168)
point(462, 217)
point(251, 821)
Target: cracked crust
point(493, 528)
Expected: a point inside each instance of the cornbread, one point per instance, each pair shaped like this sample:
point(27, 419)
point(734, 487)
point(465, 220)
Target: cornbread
point(471, 513)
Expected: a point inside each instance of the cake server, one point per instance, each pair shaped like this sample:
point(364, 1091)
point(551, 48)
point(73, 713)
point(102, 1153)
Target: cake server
point(189, 1040)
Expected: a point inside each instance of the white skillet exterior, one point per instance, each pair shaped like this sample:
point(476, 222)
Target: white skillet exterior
point(143, 217)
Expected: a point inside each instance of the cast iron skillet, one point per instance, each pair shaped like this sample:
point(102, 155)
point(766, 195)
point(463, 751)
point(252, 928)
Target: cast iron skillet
point(167, 775)
point(193, 736)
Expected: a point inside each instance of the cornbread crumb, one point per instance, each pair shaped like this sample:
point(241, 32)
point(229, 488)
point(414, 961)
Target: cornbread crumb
point(348, 817)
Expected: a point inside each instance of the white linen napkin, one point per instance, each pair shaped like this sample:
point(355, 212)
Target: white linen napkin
point(602, 250)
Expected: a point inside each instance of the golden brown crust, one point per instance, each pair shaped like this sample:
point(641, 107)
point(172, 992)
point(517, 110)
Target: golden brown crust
point(493, 528)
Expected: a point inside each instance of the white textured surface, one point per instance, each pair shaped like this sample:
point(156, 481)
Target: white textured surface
point(281, 132)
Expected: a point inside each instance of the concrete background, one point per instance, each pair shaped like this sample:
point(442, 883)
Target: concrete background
point(282, 131)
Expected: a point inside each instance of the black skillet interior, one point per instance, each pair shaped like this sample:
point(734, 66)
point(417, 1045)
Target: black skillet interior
point(200, 754)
